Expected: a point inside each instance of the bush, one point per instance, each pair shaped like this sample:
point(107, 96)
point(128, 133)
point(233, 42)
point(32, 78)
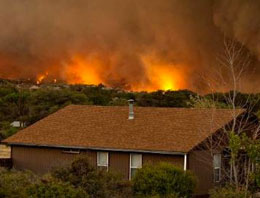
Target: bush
point(80, 180)
point(13, 184)
point(55, 189)
point(228, 192)
point(96, 183)
point(163, 180)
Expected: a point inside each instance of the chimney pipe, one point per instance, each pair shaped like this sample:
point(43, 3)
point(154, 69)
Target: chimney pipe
point(131, 109)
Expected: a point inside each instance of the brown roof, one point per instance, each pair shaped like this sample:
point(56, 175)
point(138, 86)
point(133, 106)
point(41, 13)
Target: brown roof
point(153, 129)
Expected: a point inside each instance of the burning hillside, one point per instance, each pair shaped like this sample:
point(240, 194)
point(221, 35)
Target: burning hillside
point(91, 71)
point(132, 44)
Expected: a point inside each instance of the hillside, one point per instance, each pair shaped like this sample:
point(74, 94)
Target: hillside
point(28, 102)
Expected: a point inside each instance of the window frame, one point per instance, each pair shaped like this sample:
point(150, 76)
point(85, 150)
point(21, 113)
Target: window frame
point(130, 164)
point(217, 168)
point(107, 161)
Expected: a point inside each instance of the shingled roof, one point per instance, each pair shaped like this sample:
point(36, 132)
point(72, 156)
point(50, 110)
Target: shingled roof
point(96, 127)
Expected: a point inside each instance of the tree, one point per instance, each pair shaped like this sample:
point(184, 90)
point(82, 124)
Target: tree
point(239, 139)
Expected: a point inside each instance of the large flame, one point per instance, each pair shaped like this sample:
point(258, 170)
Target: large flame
point(83, 71)
point(160, 75)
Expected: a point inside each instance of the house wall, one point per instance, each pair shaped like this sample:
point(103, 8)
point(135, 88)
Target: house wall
point(201, 164)
point(119, 162)
point(42, 160)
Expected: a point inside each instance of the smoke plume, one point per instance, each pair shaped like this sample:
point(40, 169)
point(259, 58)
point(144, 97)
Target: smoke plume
point(123, 43)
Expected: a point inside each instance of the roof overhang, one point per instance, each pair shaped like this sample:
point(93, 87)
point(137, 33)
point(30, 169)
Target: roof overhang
point(96, 148)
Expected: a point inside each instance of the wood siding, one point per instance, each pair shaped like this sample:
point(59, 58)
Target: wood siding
point(42, 160)
point(119, 162)
point(201, 164)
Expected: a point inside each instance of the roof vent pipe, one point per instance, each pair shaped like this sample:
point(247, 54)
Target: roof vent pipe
point(131, 109)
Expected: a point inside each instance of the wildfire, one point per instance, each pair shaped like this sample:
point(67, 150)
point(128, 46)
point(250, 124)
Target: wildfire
point(41, 78)
point(83, 71)
point(159, 75)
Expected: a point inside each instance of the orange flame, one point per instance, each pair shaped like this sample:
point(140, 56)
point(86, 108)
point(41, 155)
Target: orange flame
point(162, 76)
point(83, 71)
point(159, 75)
point(40, 79)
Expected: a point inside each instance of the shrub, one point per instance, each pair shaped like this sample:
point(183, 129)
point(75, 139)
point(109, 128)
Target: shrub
point(228, 192)
point(163, 180)
point(96, 183)
point(13, 184)
point(55, 189)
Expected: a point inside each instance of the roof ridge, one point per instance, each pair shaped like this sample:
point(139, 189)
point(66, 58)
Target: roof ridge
point(153, 107)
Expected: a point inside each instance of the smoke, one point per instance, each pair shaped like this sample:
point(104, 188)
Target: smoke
point(38, 36)
point(241, 20)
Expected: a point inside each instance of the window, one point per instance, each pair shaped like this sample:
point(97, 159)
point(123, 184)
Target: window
point(135, 163)
point(217, 167)
point(102, 160)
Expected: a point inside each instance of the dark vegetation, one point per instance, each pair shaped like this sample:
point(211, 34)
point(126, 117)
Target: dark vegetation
point(81, 180)
point(30, 103)
point(229, 192)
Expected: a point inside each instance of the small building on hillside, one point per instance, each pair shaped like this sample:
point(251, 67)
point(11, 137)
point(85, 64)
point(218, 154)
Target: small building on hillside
point(18, 124)
point(123, 139)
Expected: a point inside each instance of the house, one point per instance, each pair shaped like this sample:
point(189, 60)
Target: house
point(124, 139)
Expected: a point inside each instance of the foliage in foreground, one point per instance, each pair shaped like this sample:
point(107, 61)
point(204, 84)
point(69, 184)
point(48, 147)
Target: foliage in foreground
point(14, 184)
point(24, 184)
point(55, 189)
point(96, 183)
point(163, 180)
point(80, 180)
point(229, 192)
